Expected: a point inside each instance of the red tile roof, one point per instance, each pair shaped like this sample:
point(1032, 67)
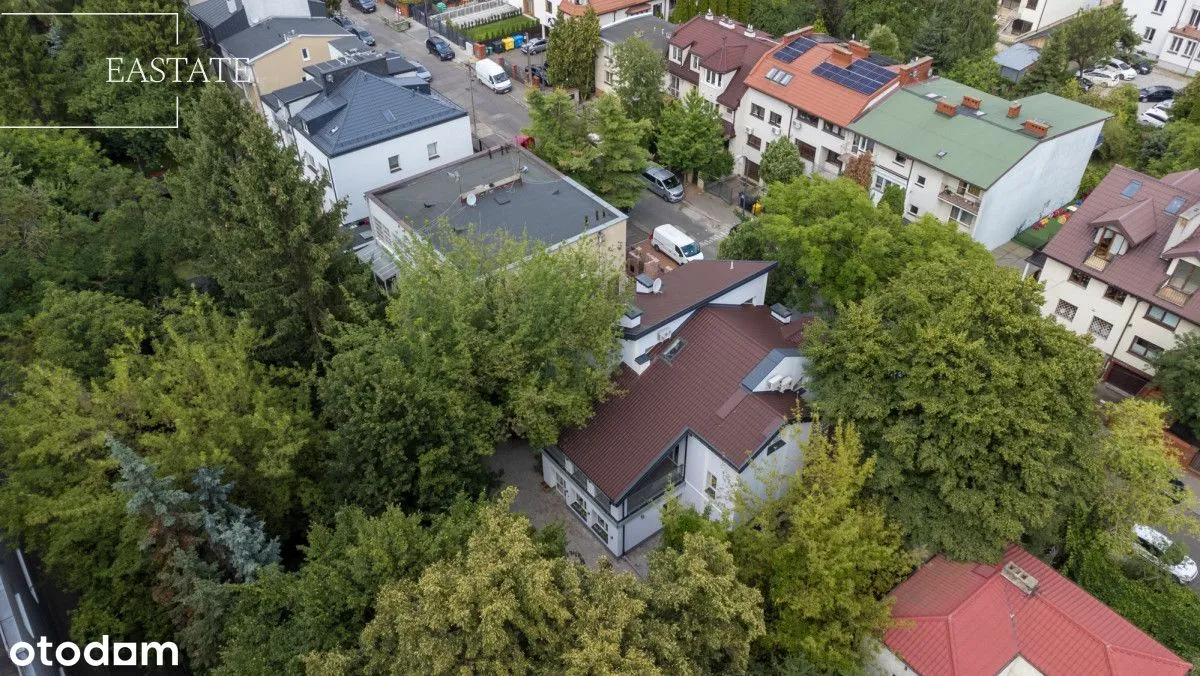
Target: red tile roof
point(699, 389)
point(601, 6)
point(723, 47)
point(1141, 270)
point(811, 93)
point(966, 618)
point(691, 285)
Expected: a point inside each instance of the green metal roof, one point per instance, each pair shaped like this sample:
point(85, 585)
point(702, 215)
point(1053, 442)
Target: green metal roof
point(975, 148)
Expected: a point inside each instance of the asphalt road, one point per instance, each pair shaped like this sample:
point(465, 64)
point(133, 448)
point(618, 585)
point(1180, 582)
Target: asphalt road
point(23, 615)
point(652, 211)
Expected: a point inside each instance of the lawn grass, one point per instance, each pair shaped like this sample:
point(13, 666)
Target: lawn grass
point(1036, 238)
point(499, 29)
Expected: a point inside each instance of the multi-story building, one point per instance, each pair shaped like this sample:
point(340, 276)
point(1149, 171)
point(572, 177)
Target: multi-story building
point(654, 30)
point(714, 55)
point(809, 89)
point(990, 165)
point(710, 385)
point(1125, 269)
point(1021, 19)
point(1170, 31)
point(607, 11)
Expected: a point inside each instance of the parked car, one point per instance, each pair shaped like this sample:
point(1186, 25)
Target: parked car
point(421, 71)
point(538, 71)
point(1154, 117)
point(492, 75)
point(1142, 65)
point(1156, 93)
point(1120, 68)
point(1103, 77)
point(535, 46)
point(663, 183)
point(1153, 546)
point(439, 48)
point(676, 244)
point(1165, 105)
point(364, 6)
point(342, 20)
point(364, 35)
point(1084, 83)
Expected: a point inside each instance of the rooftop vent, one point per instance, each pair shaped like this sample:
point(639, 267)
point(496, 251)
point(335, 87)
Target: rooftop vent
point(726, 22)
point(941, 154)
point(781, 313)
point(1014, 109)
point(946, 108)
point(933, 96)
point(708, 16)
point(1017, 575)
point(749, 31)
point(971, 102)
point(1038, 129)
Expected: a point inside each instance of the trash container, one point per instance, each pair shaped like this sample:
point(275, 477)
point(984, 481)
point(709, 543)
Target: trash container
point(508, 43)
point(518, 40)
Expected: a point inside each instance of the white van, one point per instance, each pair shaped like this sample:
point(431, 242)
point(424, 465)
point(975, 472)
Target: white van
point(493, 76)
point(676, 245)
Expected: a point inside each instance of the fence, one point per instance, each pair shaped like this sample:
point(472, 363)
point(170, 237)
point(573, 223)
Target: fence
point(731, 188)
point(436, 23)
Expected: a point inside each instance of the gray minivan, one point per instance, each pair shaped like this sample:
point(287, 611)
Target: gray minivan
point(663, 183)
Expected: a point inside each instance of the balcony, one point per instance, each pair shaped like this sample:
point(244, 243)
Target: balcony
point(1097, 262)
point(1173, 295)
point(965, 202)
point(652, 488)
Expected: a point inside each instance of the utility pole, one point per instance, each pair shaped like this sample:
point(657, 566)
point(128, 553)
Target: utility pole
point(471, 93)
point(428, 28)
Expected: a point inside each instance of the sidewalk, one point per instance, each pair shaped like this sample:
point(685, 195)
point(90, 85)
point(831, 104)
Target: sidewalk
point(709, 210)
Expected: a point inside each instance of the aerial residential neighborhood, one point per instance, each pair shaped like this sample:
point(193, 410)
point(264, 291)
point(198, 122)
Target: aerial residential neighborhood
point(600, 336)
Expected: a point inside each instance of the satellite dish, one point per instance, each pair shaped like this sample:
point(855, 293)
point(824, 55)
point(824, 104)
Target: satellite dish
point(471, 199)
point(656, 287)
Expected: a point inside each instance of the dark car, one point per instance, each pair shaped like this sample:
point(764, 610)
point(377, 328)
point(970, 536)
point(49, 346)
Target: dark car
point(1156, 93)
point(535, 46)
point(364, 35)
point(439, 48)
point(342, 20)
point(1142, 66)
point(539, 71)
point(364, 6)
point(1084, 83)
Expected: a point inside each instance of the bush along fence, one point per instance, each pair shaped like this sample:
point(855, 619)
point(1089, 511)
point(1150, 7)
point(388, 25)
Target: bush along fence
point(486, 23)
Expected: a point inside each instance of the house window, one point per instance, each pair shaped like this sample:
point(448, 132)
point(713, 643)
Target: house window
point(1190, 48)
point(1186, 278)
point(1145, 349)
point(1031, 4)
point(1148, 35)
point(608, 77)
point(754, 142)
point(673, 86)
point(677, 454)
point(394, 163)
point(710, 485)
point(1115, 295)
point(1160, 6)
point(863, 144)
point(912, 209)
point(560, 484)
point(1176, 43)
point(1109, 243)
point(1079, 278)
point(432, 150)
point(831, 158)
point(962, 216)
point(807, 152)
point(775, 446)
point(1065, 310)
point(833, 129)
point(774, 119)
point(967, 190)
point(600, 527)
point(1100, 328)
point(304, 53)
point(695, 63)
point(549, 8)
point(676, 54)
point(757, 111)
point(1195, 18)
point(900, 159)
point(880, 184)
point(712, 78)
point(308, 162)
point(1162, 317)
point(920, 181)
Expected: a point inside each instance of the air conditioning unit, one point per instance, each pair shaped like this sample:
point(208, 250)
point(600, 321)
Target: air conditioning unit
point(773, 382)
point(776, 131)
point(664, 335)
point(787, 384)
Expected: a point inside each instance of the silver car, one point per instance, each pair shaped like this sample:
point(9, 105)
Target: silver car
point(663, 183)
point(1151, 545)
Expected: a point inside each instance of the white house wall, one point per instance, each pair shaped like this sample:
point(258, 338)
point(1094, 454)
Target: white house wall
point(354, 173)
point(791, 126)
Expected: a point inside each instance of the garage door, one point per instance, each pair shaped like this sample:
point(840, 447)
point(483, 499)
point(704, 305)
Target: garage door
point(1125, 379)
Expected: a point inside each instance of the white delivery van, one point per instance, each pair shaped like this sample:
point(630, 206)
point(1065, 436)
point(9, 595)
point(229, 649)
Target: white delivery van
point(493, 76)
point(675, 244)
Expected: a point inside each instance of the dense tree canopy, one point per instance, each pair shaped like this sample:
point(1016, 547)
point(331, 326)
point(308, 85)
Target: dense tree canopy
point(780, 162)
point(691, 137)
point(1096, 34)
point(572, 52)
point(639, 70)
point(1177, 372)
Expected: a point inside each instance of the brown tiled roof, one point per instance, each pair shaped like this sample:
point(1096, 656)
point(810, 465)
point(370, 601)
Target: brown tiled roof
point(1133, 219)
point(699, 389)
point(689, 286)
point(812, 93)
point(601, 6)
point(1141, 270)
point(1188, 247)
point(683, 72)
point(721, 49)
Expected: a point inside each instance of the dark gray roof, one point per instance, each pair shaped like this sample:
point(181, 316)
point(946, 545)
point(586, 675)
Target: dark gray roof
point(543, 205)
point(292, 93)
point(1018, 57)
point(653, 29)
point(213, 13)
point(768, 364)
point(366, 109)
point(349, 44)
point(317, 8)
point(271, 33)
point(398, 64)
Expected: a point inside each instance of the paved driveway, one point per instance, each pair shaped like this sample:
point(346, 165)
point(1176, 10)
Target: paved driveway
point(518, 465)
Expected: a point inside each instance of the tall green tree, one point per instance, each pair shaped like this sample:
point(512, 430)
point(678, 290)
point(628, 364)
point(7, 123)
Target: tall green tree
point(903, 19)
point(976, 443)
point(639, 69)
point(779, 17)
point(980, 72)
point(77, 329)
point(823, 555)
point(780, 162)
point(883, 40)
point(691, 137)
point(572, 52)
point(1177, 372)
point(616, 173)
point(1096, 34)
point(26, 72)
point(1051, 72)
point(1182, 152)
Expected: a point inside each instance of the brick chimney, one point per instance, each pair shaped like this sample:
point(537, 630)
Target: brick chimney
point(840, 57)
point(1038, 129)
point(859, 50)
point(971, 102)
point(917, 71)
point(1014, 109)
point(946, 108)
point(800, 32)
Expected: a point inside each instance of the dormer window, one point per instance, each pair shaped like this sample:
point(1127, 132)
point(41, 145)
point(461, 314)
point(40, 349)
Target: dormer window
point(1185, 279)
point(695, 63)
point(676, 54)
point(1109, 243)
point(712, 78)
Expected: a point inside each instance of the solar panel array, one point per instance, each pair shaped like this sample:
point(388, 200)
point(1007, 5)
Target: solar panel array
point(794, 49)
point(863, 77)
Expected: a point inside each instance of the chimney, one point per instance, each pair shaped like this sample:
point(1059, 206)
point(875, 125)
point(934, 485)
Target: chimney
point(231, 5)
point(946, 108)
point(645, 283)
point(971, 102)
point(781, 314)
point(1020, 578)
point(840, 57)
point(917, 71)
point(708, 16)
point(859, 50)
point(1014, 109)
point(1035, 128)
point(800, 32)
point(749, 31)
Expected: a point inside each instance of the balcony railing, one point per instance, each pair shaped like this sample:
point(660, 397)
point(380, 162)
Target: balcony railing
point(653, 489)
point(968, 202)
point(1010, 5)
point(1173, 295)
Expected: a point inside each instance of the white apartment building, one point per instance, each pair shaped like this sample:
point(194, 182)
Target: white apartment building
point(1020, 19)
point(652, 29)
point(607, 11)
point(1170, 31)
point(989, 165)
point(1125, 270)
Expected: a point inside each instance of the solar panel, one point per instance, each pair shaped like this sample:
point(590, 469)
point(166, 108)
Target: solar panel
point(872, 71)
point(847, 79)
point(794, 49)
